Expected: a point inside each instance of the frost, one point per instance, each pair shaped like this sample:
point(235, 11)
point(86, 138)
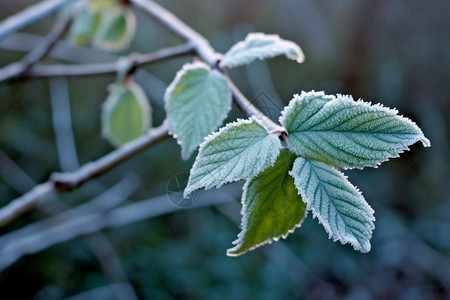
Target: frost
point(238, 151)
point(197, 101)
point(346, 133)
point(126, 113)
point(260, 46)
point(337, 204)
point(271, 207)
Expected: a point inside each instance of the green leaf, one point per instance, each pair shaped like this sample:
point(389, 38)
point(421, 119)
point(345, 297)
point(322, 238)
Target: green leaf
point(260, 46)
point(197, 101)
point(271, 207)
point(238, 151)
point(126, 113)
point(85, 25)
point(346, 133)
point(117, 29)
point(337, 204)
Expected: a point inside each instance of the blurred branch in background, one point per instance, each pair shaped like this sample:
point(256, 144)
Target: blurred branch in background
point(21, 67)
point(93, 216)
point(30, 15)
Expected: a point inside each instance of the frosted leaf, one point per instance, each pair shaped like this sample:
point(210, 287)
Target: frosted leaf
point(337, 204)
point(117, 29)
point(260, 46)
point(126, 113)
point(271, 207)
point(197, 101)
point(237, 151)
point(346, 133)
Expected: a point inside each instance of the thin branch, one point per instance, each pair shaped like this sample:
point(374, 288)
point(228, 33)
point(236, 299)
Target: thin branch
point(135, 59)
point(67, 181)
point(76, 224)
point(21, 67)
point(30, 15)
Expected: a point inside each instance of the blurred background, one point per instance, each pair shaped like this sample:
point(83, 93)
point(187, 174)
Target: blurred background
point(392, 52)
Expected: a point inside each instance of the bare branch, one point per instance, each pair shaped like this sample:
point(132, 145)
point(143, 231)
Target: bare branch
point(21, 67)
point(30, 15)
point(67, 181)
point(136, 60)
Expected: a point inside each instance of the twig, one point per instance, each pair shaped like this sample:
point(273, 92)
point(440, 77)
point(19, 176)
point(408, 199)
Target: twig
point(205, 52)
point(135, 59)
point(21, 67)
point(76, 224)
point(30, 15)
point(67, 181)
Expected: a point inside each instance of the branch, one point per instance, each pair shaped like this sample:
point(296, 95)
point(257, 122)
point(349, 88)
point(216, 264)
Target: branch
point(21, 67)
point(30, 15)
point(205, 52)
point(136, 60)
point(60, 182)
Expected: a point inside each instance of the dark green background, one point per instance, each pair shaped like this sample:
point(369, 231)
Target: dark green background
point(392, 52)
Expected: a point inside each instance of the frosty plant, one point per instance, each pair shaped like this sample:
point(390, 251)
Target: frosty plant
point(290, 168)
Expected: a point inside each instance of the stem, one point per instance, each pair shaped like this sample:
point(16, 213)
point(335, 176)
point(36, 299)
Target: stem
point(30, 15)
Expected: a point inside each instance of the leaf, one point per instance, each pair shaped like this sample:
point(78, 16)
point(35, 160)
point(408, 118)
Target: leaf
point(126, 113)
point(85, 25)
point(238, 151)
point(271, 207)
point(197, 101)
point(117, 29)
point(337, 204)
point(260, 46)
point(346, 133)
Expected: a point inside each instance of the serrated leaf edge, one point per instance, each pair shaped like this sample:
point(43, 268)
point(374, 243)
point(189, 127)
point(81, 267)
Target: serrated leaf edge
point(340, 97)
point(241, 234)
point(320, 219)
point(221, 131)
point(169, 90)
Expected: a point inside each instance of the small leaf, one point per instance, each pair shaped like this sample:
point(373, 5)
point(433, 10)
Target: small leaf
point(260, 46)
point(197, 101)
point(125, 114)
point(271, 207)
point(238, 151)
point(117, 29)
point(339, 206)
point(85, 25)
point(346, 133)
